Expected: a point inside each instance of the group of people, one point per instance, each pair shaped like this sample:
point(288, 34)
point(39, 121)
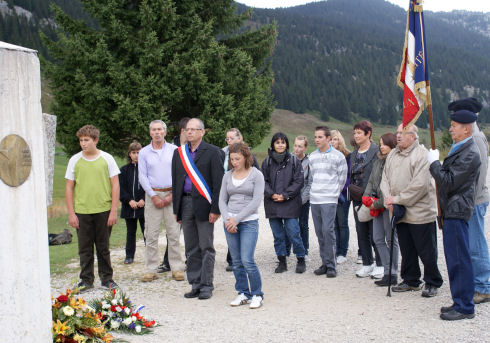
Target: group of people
point(188, 185)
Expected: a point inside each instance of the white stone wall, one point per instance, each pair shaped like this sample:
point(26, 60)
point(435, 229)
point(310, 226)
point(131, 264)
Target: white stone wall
point(24, 255)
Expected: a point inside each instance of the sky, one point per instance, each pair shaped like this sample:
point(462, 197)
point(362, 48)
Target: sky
point(430, 5)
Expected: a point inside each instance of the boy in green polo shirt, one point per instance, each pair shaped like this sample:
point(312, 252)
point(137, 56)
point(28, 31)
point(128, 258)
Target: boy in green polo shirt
point(92, 198)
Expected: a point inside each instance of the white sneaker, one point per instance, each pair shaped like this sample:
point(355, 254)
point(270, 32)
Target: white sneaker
point(341, 259)
point(365, 271)
point(359, 259)
point(241, 299)
point(256, 301)
point(377, 273)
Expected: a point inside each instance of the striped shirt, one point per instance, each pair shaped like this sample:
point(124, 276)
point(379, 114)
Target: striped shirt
point(328, 172)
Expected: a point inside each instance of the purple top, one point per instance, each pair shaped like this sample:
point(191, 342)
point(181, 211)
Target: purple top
point(187, 181)
point(155, 167)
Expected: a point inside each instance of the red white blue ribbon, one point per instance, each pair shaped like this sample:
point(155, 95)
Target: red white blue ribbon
point(193, 173)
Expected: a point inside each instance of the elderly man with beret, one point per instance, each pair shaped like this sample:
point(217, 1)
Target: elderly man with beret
point(480, 259)
point(456, 180)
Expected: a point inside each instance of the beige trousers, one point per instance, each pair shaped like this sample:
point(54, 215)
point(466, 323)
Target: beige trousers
point(153, 221)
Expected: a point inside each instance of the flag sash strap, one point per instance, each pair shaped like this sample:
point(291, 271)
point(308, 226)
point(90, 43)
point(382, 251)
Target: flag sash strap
point(196, 177)
point(414, 72)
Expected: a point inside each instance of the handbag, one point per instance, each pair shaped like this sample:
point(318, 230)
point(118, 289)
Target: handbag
point(355, 192)
point(363, 214)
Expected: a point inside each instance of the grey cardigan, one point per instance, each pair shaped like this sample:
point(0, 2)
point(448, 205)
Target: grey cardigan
point(243, 200)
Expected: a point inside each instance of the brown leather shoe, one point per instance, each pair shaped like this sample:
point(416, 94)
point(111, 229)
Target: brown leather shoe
point(148, 277)
point(480, 298)
point(178, 276)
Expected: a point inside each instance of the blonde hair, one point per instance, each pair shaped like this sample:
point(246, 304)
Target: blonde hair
point(342, 147)
point(302, 138)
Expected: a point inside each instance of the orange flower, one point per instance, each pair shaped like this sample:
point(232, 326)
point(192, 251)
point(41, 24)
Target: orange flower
point(59, 327)
point(107, 338)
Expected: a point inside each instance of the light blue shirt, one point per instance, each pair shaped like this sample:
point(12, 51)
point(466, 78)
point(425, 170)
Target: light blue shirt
point(458, 145)
point(155, 167)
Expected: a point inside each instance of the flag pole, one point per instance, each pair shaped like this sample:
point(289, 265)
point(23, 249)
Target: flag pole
point(440, 221)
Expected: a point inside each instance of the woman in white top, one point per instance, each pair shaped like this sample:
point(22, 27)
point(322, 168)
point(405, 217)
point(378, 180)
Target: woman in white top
point(240, 196)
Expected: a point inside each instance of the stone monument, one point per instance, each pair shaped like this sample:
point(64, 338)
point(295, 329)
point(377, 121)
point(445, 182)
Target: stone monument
point(24, 256)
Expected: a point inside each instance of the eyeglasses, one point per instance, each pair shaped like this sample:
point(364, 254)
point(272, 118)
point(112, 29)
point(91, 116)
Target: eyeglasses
point(187, 129)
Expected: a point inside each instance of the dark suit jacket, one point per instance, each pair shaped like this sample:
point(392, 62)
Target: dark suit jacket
point(209, 161)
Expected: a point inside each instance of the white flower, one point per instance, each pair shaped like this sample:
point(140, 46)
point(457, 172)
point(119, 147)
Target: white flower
point(68, 311)
point(118, 309)
point(127, 310)
point(127, 321)
point(90, 309)
point(105, 304)
point(114, 301)
point(114, 324)
point(133, 318)
point(138, 328)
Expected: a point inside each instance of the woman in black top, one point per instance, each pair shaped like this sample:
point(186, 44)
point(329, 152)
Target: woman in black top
point(132, 198)
point(362, 160)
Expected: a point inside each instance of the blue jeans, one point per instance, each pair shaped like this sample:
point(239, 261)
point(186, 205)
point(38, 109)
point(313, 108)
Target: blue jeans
point(282, 227)
point(342, 228)
point(242, 248)
point(480, 259)
point(304, 230)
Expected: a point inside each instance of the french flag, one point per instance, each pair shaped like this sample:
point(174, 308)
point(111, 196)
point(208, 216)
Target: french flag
point(414, 71)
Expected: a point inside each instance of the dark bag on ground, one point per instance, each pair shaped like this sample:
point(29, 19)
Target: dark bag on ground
point(355, 192)
point(60, 238)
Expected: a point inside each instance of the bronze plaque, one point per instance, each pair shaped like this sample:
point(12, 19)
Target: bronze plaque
point(15, 160)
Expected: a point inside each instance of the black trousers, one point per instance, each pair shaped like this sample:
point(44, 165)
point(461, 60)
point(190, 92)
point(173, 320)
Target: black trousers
point(365, 241)
point(132, 227)
point(92, 230)
point(419, 240)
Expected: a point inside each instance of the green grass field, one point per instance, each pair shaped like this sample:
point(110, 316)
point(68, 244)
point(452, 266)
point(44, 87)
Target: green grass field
point(290, 123)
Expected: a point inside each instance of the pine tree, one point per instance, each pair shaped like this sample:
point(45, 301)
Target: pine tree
point(159, 59)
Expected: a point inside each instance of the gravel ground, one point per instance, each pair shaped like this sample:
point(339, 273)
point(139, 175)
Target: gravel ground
point(296, 307)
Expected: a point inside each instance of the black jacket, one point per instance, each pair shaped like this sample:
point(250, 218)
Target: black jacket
point(209, 161)
point(363, 172)
point(130, 189)
point(286, 179)
point(456, 181)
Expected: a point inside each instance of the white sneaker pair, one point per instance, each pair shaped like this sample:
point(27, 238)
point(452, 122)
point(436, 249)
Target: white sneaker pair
point(242, 299)
point(365, 271)
point(377, 273)
point(341, 259)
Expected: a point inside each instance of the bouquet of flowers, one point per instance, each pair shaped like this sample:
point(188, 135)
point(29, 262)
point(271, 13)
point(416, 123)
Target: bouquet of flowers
point(76, 322)
point(117, 313)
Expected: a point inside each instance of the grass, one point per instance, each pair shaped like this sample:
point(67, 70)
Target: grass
point(290, 123)
point(293, 124)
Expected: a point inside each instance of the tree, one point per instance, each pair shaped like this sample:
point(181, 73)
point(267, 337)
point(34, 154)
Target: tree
point(159, 59)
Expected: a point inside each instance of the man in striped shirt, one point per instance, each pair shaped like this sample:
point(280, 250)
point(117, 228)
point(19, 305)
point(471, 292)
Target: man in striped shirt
point(328, 172)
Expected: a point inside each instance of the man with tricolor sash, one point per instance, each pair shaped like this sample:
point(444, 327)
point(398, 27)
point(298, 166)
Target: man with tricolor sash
point(197, 171)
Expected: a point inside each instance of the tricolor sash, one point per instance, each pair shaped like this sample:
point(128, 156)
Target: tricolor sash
point(193, 173)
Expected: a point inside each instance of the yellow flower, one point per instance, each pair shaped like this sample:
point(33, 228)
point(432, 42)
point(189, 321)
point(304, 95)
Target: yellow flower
point(97, 330)
point(107, 338)
point(59, 327)
point(79, 338)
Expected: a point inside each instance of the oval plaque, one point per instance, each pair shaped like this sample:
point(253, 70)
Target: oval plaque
point(15, 160)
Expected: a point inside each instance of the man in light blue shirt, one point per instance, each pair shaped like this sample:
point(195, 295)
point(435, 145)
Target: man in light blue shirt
point(155, 176)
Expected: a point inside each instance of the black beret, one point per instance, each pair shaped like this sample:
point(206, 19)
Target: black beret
point(470, 104)
point(463, 117)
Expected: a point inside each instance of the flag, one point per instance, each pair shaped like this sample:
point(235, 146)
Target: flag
point(414, 71)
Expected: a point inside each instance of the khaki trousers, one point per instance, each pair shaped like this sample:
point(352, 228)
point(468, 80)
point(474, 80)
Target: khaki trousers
point(153, 221)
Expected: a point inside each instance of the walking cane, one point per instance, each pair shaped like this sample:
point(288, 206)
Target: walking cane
point(393, 225)
point(398, 213)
